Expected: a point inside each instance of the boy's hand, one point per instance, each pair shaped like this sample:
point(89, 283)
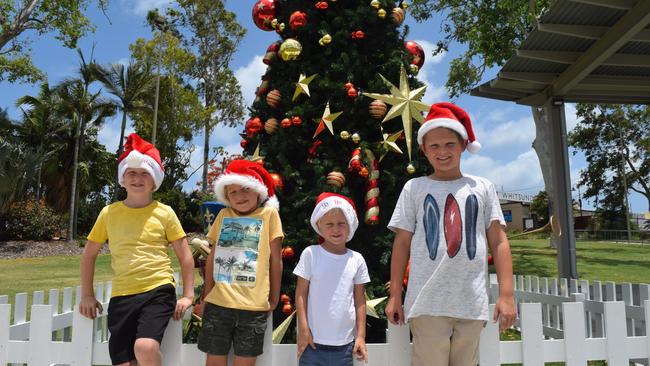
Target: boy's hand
point(360, 350)
point(394, 311)
point(504, 312)
point(90, 307)
point(182, 305)
point(304, 339)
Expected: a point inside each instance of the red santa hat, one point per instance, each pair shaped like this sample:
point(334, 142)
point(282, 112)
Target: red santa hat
point(139, 153)
point(247, 174)
point(327, 201)
point(450, 116)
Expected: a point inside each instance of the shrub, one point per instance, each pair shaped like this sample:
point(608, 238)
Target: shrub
point(32, 220)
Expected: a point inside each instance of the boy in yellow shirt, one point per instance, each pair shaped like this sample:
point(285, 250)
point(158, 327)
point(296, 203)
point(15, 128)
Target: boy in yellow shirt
point(244, 268)
point(138, 231)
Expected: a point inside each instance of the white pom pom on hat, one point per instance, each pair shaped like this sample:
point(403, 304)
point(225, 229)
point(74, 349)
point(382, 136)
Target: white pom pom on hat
point(140, 154)
point(450, 116)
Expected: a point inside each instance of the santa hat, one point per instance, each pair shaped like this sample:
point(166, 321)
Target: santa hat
point(139, 153)
point(450, 116)
point(327, 201)
point(247, 174)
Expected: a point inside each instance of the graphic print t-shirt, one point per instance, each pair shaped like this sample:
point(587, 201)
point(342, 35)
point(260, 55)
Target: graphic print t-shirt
point(241, 260)
point(448, 258)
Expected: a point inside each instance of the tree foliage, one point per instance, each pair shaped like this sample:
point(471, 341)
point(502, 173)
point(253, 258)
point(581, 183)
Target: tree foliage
point(64, 18)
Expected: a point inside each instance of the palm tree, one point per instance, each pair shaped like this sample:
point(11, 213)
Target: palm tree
point(229, 264)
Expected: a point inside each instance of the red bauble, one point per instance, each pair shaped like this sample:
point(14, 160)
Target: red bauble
point(287, 309)
point(287, 253)
point(296, 121)
point(273, 98)
point(277, 180)
point(271, 52)
point(263, 14)
point(322, 5)
point(243, 143)
point(364, 172)
point(352, 93)
point(297, 19)
point(348, 85)
point(358, 35)
point(490, 259)
point(285, 299)
point(285, 123)
point(253, 126)
point(417, 53)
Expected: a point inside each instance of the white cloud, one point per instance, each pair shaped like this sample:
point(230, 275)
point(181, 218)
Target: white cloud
point(141, 7)
point(434, 93)
point(512, 132)
point(249, 77)
point(109, 134)
point(522, 173)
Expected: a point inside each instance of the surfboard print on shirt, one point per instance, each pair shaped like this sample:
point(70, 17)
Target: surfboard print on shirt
point(453, 226)
point(431, 221)
point(471, 216)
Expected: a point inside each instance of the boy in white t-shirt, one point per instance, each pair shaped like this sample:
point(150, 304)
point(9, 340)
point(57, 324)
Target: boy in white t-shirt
point(330, 297)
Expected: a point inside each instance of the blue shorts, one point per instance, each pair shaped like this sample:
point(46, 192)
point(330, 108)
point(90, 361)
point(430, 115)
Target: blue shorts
point(325, 355)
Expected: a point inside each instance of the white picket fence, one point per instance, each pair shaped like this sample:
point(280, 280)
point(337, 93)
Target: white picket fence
point(61, 336)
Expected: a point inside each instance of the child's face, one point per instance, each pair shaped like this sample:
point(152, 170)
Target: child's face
point(334, 228)
point(138, 180)
point(443, 148)
point(242, 199)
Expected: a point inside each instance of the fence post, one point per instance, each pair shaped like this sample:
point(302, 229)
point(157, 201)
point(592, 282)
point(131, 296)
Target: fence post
point(597, 326)
point(266, 358)
point(399, 345)
point(646, 309)
point(574, 334)
point(5, 312)
point(489, 346)
point(172, 343)
point(40, 335)
point(82, 339)
point(615, 332)
point(610, 291)
point(532, 335)
point(65, 308)
point(545, 307)
point(627, 297)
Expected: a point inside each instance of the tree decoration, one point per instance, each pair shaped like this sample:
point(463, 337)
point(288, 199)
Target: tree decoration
point(326, 120)
point(358, 34)
point(397, 15)
point(325, 40)
point(287, 254)
point(314, 147)
point(390, 142)
point(302, 86)
point(253, 126)
point(381, 13)
point(263, 88)
point(281, 330)
point(375, 4)
point(322, 5)
point(296, 120)
point(377, 109)
point(271, 52)
point(285, 123)
point(274, 23)
point(356, 164)
point(404, 5)
point(256, 157)
point(290, 49)
point(356, 138)
point(273, 98)
point(279, 28)
point(243, 143)
point(277, 180)
point(410, 168)
point(297, 19)
point(287, 309)
point(263, 14)
point(352, 93)
point(335, 179)
point(344, 135)
point(417, 53)
point(404, 102)
point(271, 126)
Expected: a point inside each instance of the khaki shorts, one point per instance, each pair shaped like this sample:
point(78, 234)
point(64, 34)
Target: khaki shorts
point(441, 340)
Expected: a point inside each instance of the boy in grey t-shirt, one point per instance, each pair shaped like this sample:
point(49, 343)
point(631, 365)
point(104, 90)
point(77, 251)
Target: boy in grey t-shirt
point(445, 223)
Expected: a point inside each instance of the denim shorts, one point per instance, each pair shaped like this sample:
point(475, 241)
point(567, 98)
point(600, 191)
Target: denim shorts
point(325, 355)
point(225, 326)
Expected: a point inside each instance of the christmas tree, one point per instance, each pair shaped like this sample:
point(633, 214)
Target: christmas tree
point(336, 111)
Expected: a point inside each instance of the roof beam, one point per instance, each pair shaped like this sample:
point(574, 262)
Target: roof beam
point(587, 31)
point(615, 4)
point(620, 33)
point(572, 58)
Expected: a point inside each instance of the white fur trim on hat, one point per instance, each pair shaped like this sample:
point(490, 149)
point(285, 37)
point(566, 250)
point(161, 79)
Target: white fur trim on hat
point(137, 160)
point(449, 123)
point(325, 205)
point(245, 181)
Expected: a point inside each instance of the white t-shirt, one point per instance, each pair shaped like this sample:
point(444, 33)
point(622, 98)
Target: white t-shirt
point(330, 303)
point(448, 259)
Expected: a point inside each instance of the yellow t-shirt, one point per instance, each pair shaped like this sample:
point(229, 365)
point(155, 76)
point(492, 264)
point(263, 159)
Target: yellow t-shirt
point(241, 269)
point(138, 239)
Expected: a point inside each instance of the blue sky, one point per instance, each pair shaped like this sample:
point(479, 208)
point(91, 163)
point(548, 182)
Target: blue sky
point(506, 130)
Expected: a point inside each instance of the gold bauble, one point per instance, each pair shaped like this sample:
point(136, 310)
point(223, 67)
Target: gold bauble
point(404, 5)
point(356, 138)
point(290, 49)
point(325, 40)
point(274, 23)
point(381, 13)
point(375, 4)
point(344, 135)
point(414, 69)
point(281, 27)
point(410, 168)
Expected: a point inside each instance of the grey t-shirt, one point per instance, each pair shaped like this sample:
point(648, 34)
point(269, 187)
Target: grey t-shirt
point(448, 258)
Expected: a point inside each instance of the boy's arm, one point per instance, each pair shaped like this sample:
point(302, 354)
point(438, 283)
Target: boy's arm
point(275, 272)
point(304, 338)
point(500, 249)
point(399, 258)
point(88, 306)
point(184, 255)
point(360, 309)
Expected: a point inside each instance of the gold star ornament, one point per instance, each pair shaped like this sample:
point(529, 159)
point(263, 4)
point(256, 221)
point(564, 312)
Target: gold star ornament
point(327, 120)
point(404, 102)
point(302, 87)
point(256, 155)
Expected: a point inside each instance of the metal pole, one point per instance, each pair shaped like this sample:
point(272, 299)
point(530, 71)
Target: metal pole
point(624, 178)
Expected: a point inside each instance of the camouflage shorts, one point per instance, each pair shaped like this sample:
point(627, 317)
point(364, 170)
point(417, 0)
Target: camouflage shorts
point(225, 326)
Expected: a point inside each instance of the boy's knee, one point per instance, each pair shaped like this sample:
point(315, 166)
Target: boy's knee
point(146, 347)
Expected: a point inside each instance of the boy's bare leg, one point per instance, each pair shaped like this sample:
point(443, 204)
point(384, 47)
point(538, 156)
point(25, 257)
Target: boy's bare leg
point(132, 363)
point(147, 352)
point(245, 361)
point(215, 360)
